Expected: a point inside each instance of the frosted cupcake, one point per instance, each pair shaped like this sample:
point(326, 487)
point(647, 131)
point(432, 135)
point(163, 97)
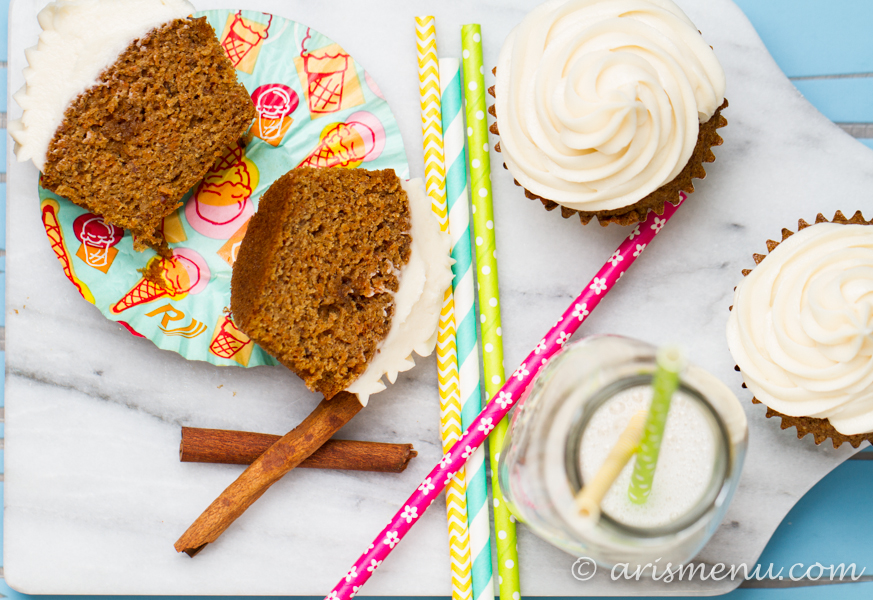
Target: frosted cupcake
point(607, 108)
point(801, 329)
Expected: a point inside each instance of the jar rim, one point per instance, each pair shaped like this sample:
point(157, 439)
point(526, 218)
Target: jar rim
point(707, 502)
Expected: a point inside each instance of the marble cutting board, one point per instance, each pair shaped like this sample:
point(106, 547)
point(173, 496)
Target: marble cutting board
point(95, 495)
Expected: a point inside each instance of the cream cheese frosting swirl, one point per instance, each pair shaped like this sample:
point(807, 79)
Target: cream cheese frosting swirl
point(801, 327)
point(599, 102)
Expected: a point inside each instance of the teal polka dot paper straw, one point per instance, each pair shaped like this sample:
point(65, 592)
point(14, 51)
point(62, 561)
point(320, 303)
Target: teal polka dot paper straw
point(465, 317)
point(489, 295)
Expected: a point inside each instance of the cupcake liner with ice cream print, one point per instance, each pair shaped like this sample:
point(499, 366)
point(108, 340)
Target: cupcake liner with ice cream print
point(316, 107)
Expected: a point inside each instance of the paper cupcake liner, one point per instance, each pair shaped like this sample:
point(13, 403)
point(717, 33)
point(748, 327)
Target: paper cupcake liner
point(707, 138)
point(316, 107)
point(821, 429)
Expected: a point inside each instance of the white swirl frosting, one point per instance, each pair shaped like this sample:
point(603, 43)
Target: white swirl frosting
point(599, 101)
point(801, 327)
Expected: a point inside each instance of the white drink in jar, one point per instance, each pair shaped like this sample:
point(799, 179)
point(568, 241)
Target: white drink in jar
point(685, 462)
point(576, 409)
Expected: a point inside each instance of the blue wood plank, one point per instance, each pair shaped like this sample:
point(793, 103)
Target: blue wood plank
point(815, 37)
point(847, 591)
point(840, 100)
point(831, 523)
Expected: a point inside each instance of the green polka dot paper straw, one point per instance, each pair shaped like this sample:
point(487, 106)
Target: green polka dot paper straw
point(489, 295)
point(670, 361)
point(465, 318)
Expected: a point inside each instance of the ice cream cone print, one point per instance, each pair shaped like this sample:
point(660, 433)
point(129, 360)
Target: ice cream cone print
point(271, 130)
point(144, 291)
point(329, 79)
point(98, 238)
point(97, 257)
point(361, 138)
point(274, 102)
point(339, 146)
point(325, 75)
point(221, 202)
point(242, 39)
point(184, 273)
point(230, 342)
point(52, 226)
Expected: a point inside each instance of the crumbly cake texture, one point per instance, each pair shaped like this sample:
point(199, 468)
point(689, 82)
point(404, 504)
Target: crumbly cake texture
point(821, 429)
point(132, 145)
point(707, 138)
point(314, 279)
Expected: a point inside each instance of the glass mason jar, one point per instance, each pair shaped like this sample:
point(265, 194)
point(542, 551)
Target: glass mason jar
point(541, 466)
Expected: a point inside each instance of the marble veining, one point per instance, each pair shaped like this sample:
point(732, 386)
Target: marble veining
point(95, 494)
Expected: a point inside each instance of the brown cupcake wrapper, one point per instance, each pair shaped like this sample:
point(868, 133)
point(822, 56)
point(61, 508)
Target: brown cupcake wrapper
point(821, 429)
point(707, 138)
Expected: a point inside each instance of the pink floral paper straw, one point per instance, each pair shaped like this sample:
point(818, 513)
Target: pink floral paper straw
point(501, 403)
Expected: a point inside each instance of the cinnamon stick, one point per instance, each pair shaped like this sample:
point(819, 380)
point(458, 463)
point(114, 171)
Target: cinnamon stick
point(288, 452)
point(243, 448)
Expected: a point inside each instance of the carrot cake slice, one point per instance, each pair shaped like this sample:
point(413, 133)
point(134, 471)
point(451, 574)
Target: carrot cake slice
point(341, 277)
point(126, 106)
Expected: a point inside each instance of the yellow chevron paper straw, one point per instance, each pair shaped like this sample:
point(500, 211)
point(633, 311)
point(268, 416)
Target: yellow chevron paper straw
point(447, 355)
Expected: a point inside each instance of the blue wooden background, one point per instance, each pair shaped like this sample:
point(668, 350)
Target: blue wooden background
point(826, 48)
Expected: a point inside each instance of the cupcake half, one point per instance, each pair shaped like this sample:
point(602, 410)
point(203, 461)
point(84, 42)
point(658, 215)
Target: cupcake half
point(801, 329)
point(341, 277)
point(607, 108)
point(126, 105)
